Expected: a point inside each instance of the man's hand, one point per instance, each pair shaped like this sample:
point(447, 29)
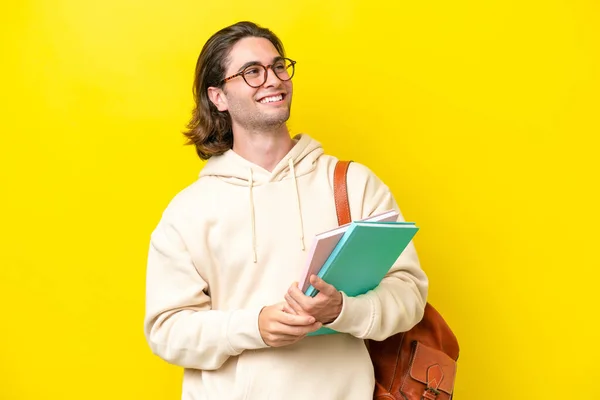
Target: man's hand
point(279, 328)
point(325, 306)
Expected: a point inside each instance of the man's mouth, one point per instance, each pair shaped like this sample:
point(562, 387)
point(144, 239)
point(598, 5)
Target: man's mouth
point(272, 99)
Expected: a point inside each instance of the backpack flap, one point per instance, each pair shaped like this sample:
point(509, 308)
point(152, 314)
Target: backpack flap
point(434, 369)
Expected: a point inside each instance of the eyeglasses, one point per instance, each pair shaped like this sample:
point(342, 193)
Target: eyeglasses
point(255, 75)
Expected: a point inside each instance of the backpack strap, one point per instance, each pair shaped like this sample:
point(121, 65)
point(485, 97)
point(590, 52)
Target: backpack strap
point(340, 192)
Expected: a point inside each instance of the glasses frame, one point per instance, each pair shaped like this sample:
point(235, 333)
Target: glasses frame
point(266, 67)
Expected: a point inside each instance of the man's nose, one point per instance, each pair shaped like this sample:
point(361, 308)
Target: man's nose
point(272, 79)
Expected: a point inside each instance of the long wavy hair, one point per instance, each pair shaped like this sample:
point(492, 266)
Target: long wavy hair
point(210, 129)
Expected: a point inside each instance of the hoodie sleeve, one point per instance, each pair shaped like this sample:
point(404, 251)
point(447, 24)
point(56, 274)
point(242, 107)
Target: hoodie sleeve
point(179, 325)
point(398, 303)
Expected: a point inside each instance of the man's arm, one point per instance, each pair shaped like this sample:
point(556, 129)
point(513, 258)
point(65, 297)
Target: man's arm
point(179, 325)
point(398, 303)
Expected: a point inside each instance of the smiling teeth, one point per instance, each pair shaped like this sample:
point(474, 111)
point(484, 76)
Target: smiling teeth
point(271, 99)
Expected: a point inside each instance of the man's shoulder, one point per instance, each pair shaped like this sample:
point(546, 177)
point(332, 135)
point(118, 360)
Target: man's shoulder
point(187, 198)
point(357, 171)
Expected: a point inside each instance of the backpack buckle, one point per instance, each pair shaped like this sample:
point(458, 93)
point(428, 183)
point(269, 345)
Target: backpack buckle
point(430, 393)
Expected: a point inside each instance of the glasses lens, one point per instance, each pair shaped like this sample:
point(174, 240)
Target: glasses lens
point(254, 75)
point(284, 69)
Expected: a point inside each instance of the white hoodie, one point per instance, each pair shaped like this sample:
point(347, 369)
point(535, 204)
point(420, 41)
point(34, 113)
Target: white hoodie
point(232, 243)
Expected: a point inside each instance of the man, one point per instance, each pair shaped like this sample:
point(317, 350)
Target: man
point(222, 299)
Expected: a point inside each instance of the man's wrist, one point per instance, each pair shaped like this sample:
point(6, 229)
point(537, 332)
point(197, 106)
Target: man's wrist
point(338, 308)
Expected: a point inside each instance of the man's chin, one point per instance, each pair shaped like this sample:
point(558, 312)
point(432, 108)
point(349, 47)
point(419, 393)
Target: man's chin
point(278, 118)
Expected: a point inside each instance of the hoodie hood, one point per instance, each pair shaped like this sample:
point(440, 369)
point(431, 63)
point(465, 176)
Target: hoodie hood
point(236, 170)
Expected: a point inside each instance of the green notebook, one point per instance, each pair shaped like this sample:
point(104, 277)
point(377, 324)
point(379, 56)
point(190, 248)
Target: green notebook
point(363, 257)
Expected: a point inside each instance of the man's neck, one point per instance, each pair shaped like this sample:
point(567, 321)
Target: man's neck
point(265, 149)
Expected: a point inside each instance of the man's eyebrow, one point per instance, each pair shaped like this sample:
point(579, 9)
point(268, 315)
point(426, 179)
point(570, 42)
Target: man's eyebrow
point(249, 63)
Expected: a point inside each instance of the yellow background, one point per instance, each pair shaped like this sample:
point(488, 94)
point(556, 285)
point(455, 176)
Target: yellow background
point(481, 116)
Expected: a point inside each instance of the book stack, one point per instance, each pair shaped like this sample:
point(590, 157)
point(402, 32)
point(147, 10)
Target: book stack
point(355, 257)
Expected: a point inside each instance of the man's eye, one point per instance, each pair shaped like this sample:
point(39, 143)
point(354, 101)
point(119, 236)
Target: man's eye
point(251, 71)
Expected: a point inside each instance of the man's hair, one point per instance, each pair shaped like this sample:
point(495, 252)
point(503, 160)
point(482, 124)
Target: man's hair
point(210, 129)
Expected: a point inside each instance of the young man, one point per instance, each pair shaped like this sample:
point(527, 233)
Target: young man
point(222, 299)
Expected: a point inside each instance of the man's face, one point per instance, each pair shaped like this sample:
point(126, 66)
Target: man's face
point(262, 108)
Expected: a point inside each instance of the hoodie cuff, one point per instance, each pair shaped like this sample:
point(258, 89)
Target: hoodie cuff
point(242, 331)
point(356, 317)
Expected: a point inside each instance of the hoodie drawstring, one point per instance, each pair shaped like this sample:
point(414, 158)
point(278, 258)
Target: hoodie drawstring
point(252, 216)
point(295, 183)
point(252, 210)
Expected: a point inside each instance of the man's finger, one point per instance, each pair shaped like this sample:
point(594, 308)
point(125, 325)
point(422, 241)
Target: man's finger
point(292, 303)
point(288, 309)
point(296, 320)
point(322, 286)
point(303, 330)
point(295, 293)
point(278, 340)
point(290, 331)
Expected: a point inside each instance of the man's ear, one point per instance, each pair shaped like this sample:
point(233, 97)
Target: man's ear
point(217, 97)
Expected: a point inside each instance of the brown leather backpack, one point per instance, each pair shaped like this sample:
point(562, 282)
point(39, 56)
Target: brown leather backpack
point(415, 365)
